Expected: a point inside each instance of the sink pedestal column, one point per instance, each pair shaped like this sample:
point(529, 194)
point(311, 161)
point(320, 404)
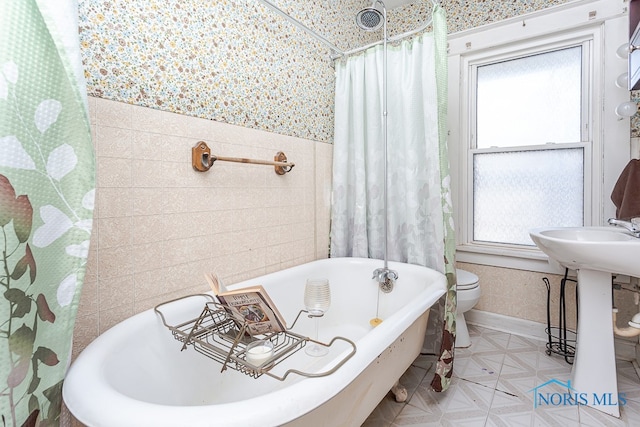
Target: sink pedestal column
point(594, 365)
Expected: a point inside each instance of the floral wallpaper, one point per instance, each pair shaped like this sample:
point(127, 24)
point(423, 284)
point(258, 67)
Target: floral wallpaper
point(230, 61)
point(466, 14)
point(236, 61)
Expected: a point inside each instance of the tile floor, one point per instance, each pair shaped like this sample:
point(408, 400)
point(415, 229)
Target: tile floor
point(491, 386)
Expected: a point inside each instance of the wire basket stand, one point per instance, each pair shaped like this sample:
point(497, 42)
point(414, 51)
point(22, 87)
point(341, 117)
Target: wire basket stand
point(560, 339)
point(221, 337)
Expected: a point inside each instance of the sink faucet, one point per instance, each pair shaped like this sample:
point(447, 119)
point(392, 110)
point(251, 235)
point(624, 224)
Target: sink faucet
point(632, 226)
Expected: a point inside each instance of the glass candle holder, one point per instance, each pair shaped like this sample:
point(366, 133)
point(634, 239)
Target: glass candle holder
point(258, 352)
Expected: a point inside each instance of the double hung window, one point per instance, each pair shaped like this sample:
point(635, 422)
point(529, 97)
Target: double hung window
point(529, 141)
point(533, 136)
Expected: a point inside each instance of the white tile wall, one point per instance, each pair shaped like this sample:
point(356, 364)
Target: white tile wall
point(159, 225)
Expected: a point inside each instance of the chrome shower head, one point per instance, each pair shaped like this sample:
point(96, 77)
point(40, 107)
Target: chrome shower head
point(370, 18)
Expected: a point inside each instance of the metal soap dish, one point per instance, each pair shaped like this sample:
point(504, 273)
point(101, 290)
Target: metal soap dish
point(221, 337)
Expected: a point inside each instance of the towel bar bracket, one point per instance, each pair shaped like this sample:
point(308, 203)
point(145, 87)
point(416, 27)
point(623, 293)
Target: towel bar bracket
point(202, 160)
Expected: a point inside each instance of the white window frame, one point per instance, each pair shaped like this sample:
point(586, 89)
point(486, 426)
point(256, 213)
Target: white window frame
point(600, 25)
point(519, 50)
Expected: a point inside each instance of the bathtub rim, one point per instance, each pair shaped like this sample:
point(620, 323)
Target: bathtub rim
point(293, 401)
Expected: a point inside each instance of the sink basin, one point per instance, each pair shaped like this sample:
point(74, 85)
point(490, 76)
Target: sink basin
point(609, 249)
point(596, 253)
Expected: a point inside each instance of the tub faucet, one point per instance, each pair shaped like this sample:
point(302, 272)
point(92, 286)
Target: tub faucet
point(386, 278)
point(632, 226)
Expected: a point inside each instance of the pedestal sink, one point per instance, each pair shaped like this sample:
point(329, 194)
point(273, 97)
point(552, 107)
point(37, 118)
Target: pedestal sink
point(596, 253)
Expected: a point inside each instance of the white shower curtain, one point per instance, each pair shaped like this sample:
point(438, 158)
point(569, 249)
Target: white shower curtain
point(415, 213)
point(420, 224)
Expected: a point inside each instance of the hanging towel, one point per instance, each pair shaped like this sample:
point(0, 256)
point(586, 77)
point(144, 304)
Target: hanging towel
point(626, 192)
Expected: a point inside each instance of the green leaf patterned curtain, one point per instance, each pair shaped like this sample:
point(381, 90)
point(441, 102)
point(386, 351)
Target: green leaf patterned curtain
point(444, 365)
point(47, 188)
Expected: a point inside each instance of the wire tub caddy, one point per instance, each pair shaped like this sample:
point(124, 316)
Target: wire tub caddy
point(221, 337)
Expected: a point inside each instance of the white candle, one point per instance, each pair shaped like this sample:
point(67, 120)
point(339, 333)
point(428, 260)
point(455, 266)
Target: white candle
point(259, 353)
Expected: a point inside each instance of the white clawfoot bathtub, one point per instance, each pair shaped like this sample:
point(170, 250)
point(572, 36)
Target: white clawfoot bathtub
point(135, 374)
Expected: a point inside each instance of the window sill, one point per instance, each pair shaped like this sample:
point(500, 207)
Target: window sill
point(518, 258)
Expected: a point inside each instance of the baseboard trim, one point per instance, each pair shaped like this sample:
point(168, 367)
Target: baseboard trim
point(625, 349)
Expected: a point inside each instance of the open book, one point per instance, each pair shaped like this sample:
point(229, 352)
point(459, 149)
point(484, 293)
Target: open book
point(251, 305)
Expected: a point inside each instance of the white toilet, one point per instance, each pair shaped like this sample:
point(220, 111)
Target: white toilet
point(468, 291)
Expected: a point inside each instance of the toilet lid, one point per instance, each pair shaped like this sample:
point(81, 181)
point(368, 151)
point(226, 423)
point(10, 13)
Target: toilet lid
point(466, 279)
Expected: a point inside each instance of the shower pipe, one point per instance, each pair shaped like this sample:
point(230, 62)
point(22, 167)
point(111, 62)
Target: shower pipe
point(337, 52)
point(364, 19)
point(386, 271)
point(382, 274)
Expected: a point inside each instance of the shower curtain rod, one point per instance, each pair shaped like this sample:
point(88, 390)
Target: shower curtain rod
point(389, 39)
point(337, 52)
point(303, 27)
